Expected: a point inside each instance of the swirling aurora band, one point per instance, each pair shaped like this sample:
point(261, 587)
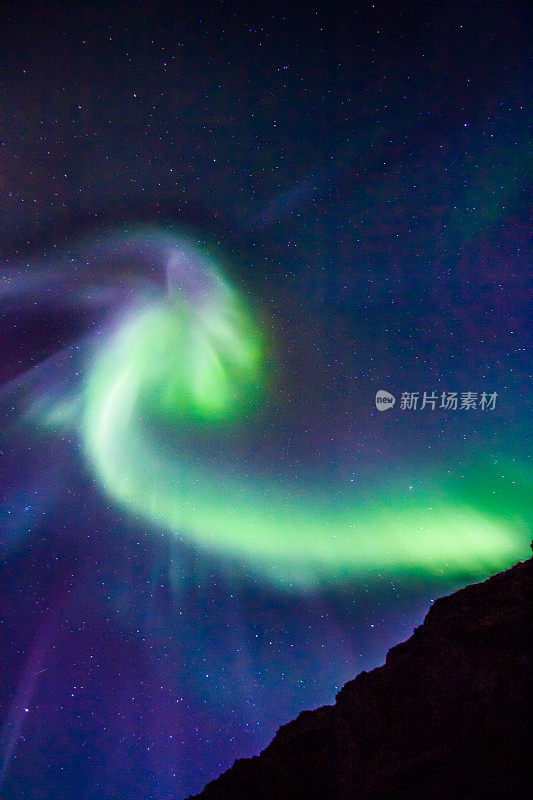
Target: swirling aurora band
point(197, 358)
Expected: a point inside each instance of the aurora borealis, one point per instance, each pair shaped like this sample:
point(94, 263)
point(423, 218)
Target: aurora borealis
point(195, 364)
point(211, 263)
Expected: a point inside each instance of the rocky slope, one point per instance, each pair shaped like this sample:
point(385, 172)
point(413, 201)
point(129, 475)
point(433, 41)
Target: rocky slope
point(446, 717)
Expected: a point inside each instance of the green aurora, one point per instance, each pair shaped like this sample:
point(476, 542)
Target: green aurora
point(203, 364)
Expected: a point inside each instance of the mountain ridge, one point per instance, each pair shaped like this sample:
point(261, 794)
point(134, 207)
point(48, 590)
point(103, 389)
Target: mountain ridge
point(446, 716)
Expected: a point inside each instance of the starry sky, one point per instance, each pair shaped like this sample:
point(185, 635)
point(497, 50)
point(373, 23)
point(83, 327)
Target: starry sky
point(225, 227)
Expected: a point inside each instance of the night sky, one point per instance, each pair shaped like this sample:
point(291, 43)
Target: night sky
point(224, 228)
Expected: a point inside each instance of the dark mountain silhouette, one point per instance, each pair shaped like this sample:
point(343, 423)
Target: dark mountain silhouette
point(446, 717)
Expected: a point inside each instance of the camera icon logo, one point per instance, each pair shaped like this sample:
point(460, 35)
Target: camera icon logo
point(384, 400)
